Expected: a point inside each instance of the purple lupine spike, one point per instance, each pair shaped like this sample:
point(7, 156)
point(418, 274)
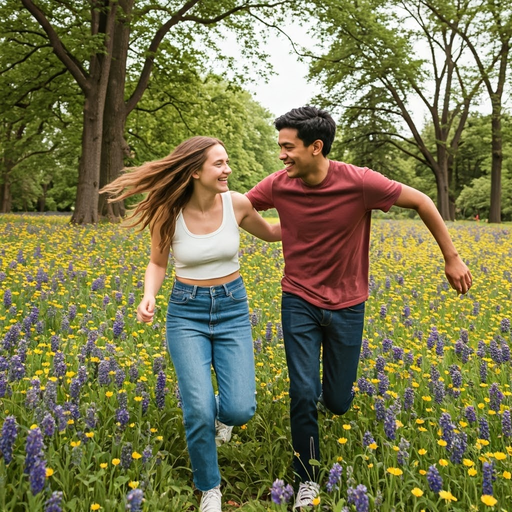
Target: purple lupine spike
point(9, 435)
point(281, 493)
point(434, 479)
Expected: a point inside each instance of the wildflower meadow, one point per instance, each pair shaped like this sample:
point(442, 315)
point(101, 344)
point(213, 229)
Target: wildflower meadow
point(90, 412)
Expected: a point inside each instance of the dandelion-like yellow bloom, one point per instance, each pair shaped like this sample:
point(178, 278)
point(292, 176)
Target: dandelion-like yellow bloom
point(342, 440)
point(116, 462)
point(133, 484)
point(417, 492)
point(95, 506)
point(472, 472)
point(447, 496)
point(422, 451)
point(395, 471)
point(507, 475)
point(103, 465)
point(49, 472)
point(490, 501)
point(316, 501)
point(136, 455)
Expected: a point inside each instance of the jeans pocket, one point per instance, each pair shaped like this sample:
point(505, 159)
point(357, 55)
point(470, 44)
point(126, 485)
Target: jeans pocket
point(357, 308)
point(238, 295)
point(179, 297)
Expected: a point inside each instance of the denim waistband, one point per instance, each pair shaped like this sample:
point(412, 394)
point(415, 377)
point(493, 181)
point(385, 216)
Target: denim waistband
point(209, 290)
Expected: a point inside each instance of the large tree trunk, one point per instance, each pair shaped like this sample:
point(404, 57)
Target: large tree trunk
point(443, 194)
point(496, 165)
point(86, 205)
point(114, 145)
point(5, 194)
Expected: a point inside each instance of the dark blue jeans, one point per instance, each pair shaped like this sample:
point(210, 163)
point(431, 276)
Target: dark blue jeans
point(311, 333)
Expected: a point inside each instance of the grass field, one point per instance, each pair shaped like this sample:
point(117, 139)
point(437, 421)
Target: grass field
point(88, 404)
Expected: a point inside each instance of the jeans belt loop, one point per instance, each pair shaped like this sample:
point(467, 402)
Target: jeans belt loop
point(194, 291)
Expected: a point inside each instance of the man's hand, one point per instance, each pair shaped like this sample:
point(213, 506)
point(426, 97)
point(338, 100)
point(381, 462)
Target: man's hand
point(458, 275)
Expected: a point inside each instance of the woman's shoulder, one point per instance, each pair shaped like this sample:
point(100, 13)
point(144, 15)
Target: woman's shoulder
point(240, 201)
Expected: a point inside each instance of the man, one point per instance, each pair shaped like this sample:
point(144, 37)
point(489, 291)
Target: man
point(325, 211)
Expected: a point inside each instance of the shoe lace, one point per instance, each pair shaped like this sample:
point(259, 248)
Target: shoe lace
point(308, 491)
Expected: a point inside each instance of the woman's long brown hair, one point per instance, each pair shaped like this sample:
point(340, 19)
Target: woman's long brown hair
point(168, 184)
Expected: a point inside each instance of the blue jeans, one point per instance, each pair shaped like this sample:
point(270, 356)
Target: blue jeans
point(309, 333)
point(210, 326)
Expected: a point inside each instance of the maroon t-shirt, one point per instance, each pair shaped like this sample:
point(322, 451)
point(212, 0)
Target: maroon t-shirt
point(326, 230)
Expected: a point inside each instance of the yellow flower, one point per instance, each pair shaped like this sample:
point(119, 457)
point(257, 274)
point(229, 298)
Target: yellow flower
point(443, 462)
point(346, 426)
point(422, 451)
point(136, 455)
point(417, 492)
point(108, 394)
point(490, 501)
point(89, 434)
point(103, 465)
point(74, 444)
point(472, 472)
point(423, 472)
point(116, 462)
point(442, 442)
point(395, 471)
point(342, 440)
point(95, 506)
point(133, 484)
point(316, 501)
point(507, 475)
point(373, 446)
point(49, 472)
point(447, 495)
point(500, 456)
point(468, 463)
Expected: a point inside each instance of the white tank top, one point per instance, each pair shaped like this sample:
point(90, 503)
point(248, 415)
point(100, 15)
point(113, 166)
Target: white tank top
point(207, 256)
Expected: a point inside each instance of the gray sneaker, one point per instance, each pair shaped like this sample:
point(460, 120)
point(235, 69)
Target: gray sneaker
point(222, 433)
point(211, 500)
point(307, 492)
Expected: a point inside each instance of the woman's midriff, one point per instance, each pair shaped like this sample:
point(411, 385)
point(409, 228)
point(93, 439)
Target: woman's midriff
point(210, 282)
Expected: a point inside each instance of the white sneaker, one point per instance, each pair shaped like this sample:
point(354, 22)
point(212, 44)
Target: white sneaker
point(307, 492)
point(222, 433)
point(211, 500)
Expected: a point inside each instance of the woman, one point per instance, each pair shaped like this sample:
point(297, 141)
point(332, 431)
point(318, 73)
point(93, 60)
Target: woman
point(190, 209)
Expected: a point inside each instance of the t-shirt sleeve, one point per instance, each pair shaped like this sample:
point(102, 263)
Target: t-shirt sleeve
point(380, 193)
point(261, 195)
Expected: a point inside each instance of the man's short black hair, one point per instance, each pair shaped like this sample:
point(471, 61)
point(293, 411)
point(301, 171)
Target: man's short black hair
point(311, 124)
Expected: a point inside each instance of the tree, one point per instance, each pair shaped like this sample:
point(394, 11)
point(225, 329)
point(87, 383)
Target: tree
point(381, 55)
point(489, 39)
point(33, 112)
point(100, 66)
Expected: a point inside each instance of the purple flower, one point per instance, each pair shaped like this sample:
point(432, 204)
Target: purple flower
point(359, 498)
point(506, 424)
point(17, 369)
point(482, 349)
point(403, 454)
point(147, 454)
point(380, 364)
point(383, 383)
point(439, 391)
point(383, 311)
point(118, 327)
point(48, 425)
point(505, 325)
point(59, 365)
point(390, 424)
point(445, 421)
point(53, 502)
point(126, 455)
point(9, 434)
point(470, 414)
point(368, 439)
point(408, 398)
point(334, 477)
point(268, 332)
point(458, 447)
point(435, 482)
point(91, 417)
point(134, 500)
point(122, 417)
point(33, 448)
point(366, 353)
point(496, 397)
point(280, 493)
point(488, 478)
point(483, 429)
point(160, 390)
point(433, 337)
point(98, 284)
point(104, 373)
point(387, 344)
point(37, 475)
point(7, 298)
point(380, 409)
